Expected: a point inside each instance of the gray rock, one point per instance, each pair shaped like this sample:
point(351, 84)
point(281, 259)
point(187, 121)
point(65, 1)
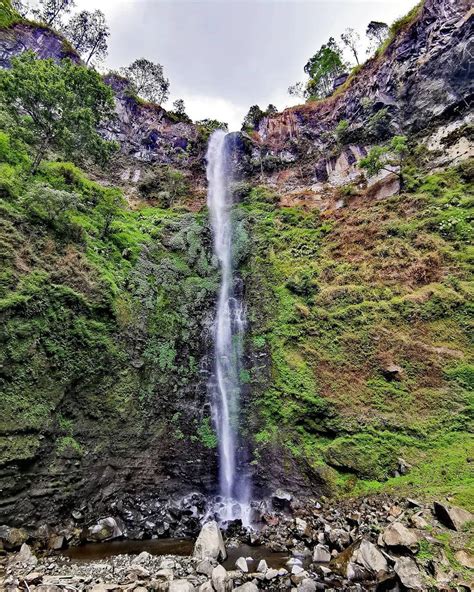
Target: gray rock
point(143, 557)
point(181, 586)
point(271, 573)
point(12, 538)
point(262, 566)
point(247, 587)
point(205, 567)
point(210, 544)
point(397, 535)
point(368, 556)
point(452, 516)
point(307, 585)
point(25, 556)
point(56, 542)
point(206, 587)
point(241, 564)
point(408, 572)
point(321, 554)
point(465, 558)
point(281, 499)
point(219, 578)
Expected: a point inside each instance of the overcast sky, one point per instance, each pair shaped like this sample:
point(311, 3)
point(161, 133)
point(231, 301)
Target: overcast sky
point(222, 56)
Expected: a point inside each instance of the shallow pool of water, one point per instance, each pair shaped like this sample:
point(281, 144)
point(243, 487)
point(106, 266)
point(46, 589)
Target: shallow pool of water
point(180, 547)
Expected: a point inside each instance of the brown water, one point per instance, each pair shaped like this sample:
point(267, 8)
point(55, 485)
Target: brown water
point(180, 547)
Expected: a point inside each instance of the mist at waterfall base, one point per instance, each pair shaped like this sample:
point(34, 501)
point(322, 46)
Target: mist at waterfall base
point(228, 333)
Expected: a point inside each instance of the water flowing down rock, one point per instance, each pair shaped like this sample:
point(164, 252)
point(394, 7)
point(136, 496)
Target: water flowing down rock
point(210, 544)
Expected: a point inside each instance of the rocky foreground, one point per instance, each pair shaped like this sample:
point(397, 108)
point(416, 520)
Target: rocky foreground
point(377, 543)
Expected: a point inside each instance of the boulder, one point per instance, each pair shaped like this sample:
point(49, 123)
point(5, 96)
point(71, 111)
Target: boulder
point(12, 538)
point(25, 556)
point(262, 566)
point(281, 500)
point(219, 578)
point(56, 542)
point(241, 564)
point(210, 544)
point(369, 556)
point(307, 585)
point(143, 557)
point(271, 573)
point(180, 586)
point(397, 535)
point(103, 530)
point(321, 554)
point(452, 516)
point(206, 587)
point(409, 574)
point(465, 558)
point(205, 567)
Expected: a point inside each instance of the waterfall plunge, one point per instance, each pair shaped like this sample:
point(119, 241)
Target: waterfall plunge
point(229, 328)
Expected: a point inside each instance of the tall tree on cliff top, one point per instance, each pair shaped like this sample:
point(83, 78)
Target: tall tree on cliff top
point(58, 107)
point(88, 33)
point(51, 11)
point(147, 80)
point(323, 68)
point(351, 40)
point(377, 32)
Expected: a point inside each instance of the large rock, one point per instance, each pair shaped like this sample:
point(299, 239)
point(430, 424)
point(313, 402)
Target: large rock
point(12, 538)
point(409, 574)
point(281, 500)
point(370, 557)
point(104, 530)
point(25, 556)
point(321, 554)
point(219, 578)
point(452, 516)
point(397, 535)
point(247, 587)
point(180, 586)
point(210, 544)
point(465, 558)
point(241, 564)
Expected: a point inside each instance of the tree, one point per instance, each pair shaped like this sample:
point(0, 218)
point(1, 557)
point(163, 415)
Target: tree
point(351, 39)
point(60, 106)
point(377, 32)
point(179, 107)
point(52, 11)
point(147, 80)
point(271, 110)
point(389, 157)
point(323, 68)
point(88, 33)
point(253, 117)
point(20, 7)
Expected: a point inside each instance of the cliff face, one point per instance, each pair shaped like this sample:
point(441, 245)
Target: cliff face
point(421, 85)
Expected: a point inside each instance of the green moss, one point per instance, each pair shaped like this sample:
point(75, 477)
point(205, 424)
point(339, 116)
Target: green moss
point(206, 434)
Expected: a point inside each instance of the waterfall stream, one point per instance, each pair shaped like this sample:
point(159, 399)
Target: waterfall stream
point(229, 327)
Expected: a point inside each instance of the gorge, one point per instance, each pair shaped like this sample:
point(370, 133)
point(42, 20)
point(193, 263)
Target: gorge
point(252, 329)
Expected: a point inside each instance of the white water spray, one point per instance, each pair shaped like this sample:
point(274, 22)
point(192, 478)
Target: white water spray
point(228, 333)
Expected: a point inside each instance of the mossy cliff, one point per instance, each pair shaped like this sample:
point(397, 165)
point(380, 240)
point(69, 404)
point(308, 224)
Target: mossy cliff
point(358, 356)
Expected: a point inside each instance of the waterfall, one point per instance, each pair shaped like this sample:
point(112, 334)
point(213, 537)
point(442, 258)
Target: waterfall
point(229, 327)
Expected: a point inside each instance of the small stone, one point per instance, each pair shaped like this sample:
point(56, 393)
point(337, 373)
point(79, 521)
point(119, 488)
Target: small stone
point(34, 577)
point(206, 587)
point(143, 557)
point(262, 566)
point(307, 585)
point(247, 587)
point(241, 564)
point(321, 554)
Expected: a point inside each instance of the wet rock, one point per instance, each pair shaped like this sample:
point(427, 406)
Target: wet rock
point(262, 566)
point(452, 516)
point(181, 586)
point(209, 544)
point(241, 564)
point(397, 535)
point(12, 538)
point(408, 572)
point(281, 500)
point(465, 558)
point(103, 530)
point(219, 578)
point(370, 557)
point(321, 554)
